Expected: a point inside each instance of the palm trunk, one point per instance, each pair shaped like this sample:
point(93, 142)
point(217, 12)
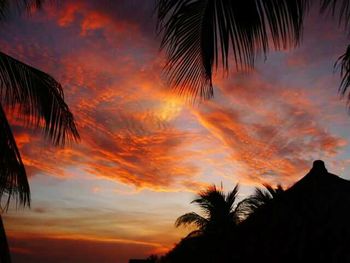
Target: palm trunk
point(4, 248)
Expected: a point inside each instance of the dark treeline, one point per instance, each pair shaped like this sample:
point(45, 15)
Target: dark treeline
point(309, 222)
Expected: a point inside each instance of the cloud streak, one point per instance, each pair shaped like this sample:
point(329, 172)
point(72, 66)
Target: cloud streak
point(145, 142)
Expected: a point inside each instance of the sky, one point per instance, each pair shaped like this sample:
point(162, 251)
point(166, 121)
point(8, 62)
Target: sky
point(144, 151)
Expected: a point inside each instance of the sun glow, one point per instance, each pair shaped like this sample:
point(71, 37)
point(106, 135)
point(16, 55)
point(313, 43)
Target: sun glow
point(170, 109)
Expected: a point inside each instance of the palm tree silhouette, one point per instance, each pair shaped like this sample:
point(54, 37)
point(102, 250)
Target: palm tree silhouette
point(219, 209)
point(307, 222)
point(38, 99)
point(260, 198)
point(211, 240)
point(198, 36)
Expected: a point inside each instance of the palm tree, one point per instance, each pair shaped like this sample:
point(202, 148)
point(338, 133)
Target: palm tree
point(198, 36)
point(211, 240)
point(220, 212)
point(38, 99)
point(260, 198)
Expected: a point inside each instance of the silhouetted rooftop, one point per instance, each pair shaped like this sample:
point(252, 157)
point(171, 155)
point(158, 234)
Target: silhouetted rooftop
point(319, 165)
point(311, 217)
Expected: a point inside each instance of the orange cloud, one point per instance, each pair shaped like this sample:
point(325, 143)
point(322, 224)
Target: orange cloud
point(272, 131)
point(123, 113)
point(67, 15)
point(135, 132)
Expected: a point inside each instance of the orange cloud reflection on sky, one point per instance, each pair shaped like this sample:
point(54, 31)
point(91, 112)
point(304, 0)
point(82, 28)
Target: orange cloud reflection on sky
point(144, 151)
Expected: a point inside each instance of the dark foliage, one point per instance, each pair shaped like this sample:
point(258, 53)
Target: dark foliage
point(259, 199)
point(343, 63)
point(309, 222)
point(220, 213)
point(13, 178)
point(200, 35)
point(6, 6)
point(39, 97)
point(210, 241)
point(38, 100)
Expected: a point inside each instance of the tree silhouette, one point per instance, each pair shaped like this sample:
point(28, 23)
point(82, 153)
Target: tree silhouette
point(38, 100)
point(308, 222)
point(200, 35)
point(260, 198)
point(220, 212)
point(211, 239)
point(7, 6)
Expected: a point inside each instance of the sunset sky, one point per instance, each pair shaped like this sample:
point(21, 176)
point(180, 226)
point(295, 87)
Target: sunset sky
point(144, 152)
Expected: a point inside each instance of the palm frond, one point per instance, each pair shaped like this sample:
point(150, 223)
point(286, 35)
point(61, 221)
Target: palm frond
point(20, 5)
point(211, 200)
point(191, 219)
point(185, 68)
point(39, 97)
point(197, 34)
point(339, 8)
point(343, 63)
point(231, 197)
point(219, 214)
point(13, 178)
point(260, 198)
point(243, 210)
point(250, 204)
point(283, 20)
point(274, 191)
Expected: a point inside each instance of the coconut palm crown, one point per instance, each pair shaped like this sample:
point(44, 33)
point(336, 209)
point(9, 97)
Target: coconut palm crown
point(219, 212)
